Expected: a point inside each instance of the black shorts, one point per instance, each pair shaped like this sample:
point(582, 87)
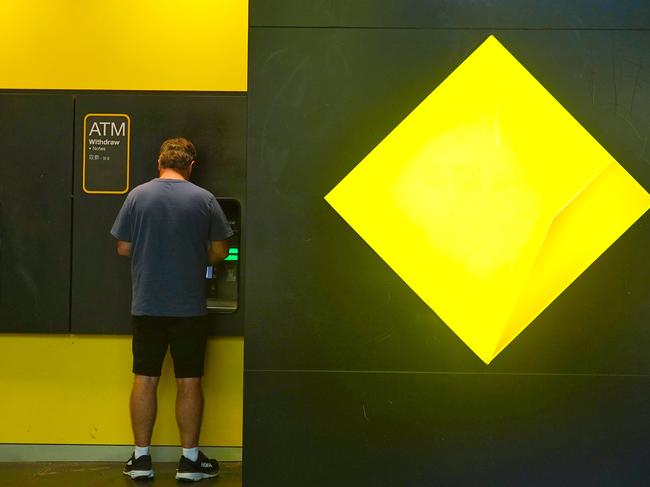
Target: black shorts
point(185, 337)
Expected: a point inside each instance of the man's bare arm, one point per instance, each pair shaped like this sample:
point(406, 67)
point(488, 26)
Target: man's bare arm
point(124, 248)
point(217, 251)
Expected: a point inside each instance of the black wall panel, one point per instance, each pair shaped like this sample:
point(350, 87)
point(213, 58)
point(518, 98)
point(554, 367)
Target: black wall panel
point(421, 430)
point(35, 206)
point(454, 14)
point(336, 94)
point(101, 286)
point(346, 367)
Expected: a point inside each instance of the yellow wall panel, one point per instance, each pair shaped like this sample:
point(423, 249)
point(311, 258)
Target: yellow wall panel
point(75, 390)
point(193, 45)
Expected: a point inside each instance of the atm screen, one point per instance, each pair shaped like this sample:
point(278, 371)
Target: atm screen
point(233, 255)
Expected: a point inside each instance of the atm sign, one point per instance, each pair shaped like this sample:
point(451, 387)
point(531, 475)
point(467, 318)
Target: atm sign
point(106, 153)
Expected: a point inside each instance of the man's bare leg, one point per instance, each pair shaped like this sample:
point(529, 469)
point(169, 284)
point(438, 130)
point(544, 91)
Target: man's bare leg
point(189, 410)
point(143, 408)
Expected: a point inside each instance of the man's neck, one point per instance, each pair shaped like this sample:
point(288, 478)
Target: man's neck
point(168, 173)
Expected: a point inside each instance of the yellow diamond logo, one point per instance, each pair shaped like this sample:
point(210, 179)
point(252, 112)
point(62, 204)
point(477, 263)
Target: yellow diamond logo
point(489, 199)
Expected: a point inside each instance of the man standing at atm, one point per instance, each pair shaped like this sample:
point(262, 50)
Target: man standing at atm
point(171, 229)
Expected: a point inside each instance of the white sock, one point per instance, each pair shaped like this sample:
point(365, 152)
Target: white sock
point(141, 451)
point(191, 453)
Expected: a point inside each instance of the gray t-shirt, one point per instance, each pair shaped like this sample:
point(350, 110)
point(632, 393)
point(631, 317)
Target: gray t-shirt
point(169, 223)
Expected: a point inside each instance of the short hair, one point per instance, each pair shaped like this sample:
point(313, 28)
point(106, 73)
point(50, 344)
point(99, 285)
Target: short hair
point(177, 153)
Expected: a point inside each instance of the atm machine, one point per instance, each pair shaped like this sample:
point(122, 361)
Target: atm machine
point(222, 280)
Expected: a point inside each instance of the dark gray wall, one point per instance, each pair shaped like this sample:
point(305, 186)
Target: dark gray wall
point(35, 212)
point(350, 379)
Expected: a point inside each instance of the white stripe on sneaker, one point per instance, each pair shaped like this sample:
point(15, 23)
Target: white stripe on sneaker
point(139, 474)
point(195, 476)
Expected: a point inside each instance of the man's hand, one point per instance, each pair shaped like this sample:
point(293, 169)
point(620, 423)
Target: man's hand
point(124, 248)
point(217, 251)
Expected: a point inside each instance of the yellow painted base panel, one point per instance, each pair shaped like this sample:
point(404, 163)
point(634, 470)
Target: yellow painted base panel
point(75, 389)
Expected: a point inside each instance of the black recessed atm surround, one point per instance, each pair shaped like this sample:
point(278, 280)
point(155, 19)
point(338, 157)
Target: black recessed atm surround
point(216, 124)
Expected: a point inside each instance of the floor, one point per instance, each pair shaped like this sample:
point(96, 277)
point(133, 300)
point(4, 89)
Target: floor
point(69, 474)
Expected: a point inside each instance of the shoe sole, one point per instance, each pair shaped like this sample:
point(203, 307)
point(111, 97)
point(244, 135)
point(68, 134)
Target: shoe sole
point(139, 474)
point(194, 476)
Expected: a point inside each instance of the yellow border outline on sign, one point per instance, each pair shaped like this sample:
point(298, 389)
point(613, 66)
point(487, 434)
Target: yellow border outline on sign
point(128, 153)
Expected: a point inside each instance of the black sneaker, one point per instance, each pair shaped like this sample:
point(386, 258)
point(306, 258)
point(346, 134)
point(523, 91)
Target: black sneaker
point(203, 468)
point(140, 468)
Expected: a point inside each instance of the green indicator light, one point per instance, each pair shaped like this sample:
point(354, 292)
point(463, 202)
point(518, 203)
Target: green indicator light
point(233, 250)
point(232, 257)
